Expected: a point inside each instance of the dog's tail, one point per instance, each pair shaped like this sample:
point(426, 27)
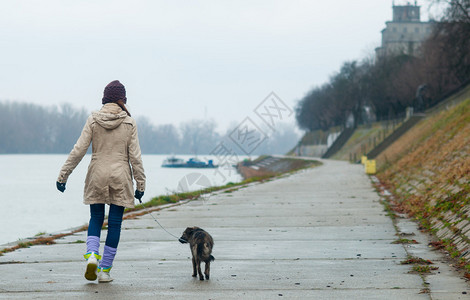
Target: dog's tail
point(200, 249)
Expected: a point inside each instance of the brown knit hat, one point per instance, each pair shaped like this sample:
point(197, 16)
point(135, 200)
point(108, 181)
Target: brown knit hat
point(113, 92)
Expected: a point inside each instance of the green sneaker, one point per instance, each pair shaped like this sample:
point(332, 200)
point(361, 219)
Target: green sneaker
point(91, 266)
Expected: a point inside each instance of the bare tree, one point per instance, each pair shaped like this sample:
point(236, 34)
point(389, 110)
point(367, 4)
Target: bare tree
point(198, 136)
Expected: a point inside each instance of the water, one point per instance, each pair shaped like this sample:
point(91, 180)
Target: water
point(31, 203)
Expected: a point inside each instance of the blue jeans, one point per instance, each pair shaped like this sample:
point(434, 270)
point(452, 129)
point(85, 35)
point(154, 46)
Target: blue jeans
point(114, 223)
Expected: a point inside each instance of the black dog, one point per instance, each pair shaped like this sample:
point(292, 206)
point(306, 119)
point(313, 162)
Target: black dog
point(200, 243)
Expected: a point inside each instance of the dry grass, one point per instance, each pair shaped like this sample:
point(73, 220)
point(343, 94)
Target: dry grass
point(416, 261)
point(428, 170)
point(50, 240)
point(431, 160)
point(362, 140)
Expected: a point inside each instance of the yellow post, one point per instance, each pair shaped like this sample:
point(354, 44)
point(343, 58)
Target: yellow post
point(370, 167)
point(363, 159)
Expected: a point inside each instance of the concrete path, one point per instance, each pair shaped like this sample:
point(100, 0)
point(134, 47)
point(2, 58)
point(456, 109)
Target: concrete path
point(317, 234)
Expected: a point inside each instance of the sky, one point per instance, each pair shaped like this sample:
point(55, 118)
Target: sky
point(182, 60)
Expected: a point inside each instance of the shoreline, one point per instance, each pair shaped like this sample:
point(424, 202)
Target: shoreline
point(166, 201)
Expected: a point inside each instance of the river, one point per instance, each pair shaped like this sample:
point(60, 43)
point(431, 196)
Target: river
point(31, 204)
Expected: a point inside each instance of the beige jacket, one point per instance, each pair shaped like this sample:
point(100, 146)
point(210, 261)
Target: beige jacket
point(115, 158)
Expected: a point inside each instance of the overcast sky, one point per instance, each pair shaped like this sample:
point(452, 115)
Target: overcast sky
point(182, 60)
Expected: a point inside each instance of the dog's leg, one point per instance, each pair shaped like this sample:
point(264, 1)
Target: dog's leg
point(198, 262)
point(194, 267)
point(207, 270)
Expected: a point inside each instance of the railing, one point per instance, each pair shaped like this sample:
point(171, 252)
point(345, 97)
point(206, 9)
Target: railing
point(387, 127)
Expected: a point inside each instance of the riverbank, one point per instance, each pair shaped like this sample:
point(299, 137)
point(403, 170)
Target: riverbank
point(261, 251)
point(165, 201)
point(31, 203)
point(427, 171)
point(267, 165)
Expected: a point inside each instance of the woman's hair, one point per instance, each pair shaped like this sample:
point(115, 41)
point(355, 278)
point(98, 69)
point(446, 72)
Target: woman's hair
point(120, 102)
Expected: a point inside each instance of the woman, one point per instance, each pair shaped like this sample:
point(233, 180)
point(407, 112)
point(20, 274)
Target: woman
point(115, 159)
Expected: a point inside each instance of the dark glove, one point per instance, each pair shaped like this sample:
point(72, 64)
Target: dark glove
point(60, 186)
point(138, 195)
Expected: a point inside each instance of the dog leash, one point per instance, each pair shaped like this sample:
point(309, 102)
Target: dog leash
point(149, 212)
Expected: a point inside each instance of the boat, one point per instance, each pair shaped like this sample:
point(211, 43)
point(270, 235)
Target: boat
point(196, 163)
point(173, 162)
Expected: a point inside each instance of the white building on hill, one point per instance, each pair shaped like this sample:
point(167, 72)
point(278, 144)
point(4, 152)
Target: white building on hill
point(405, 33)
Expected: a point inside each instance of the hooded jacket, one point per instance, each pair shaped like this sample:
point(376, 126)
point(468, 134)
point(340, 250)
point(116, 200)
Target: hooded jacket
point(116, 158)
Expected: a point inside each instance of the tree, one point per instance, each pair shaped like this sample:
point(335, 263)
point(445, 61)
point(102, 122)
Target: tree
point(198, 136)
point(30, 128)
point(162, 139)
point(451, 41)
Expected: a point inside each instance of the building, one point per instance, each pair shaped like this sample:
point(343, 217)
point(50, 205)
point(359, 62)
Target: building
point(405, 33)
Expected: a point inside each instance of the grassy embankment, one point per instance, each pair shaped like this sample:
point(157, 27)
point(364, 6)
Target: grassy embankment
point(364, 139)
point(428, 172)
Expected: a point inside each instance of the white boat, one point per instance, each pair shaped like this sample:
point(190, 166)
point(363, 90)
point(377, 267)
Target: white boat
point(173, 162)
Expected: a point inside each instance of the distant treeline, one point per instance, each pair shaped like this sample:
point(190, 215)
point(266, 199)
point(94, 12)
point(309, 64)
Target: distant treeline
point(384, 87)
point(31, 128)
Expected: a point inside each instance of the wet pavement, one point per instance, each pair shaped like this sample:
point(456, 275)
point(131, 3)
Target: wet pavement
point(320, 233)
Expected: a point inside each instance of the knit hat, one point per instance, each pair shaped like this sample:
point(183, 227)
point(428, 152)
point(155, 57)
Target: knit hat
point(113, 92)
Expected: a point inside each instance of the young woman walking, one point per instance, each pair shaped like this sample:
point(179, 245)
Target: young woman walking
point(115, 160)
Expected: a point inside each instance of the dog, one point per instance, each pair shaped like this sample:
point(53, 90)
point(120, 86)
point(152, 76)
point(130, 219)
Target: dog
point(201, 244)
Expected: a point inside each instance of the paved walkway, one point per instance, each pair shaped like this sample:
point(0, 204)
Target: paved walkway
point(317, 234)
